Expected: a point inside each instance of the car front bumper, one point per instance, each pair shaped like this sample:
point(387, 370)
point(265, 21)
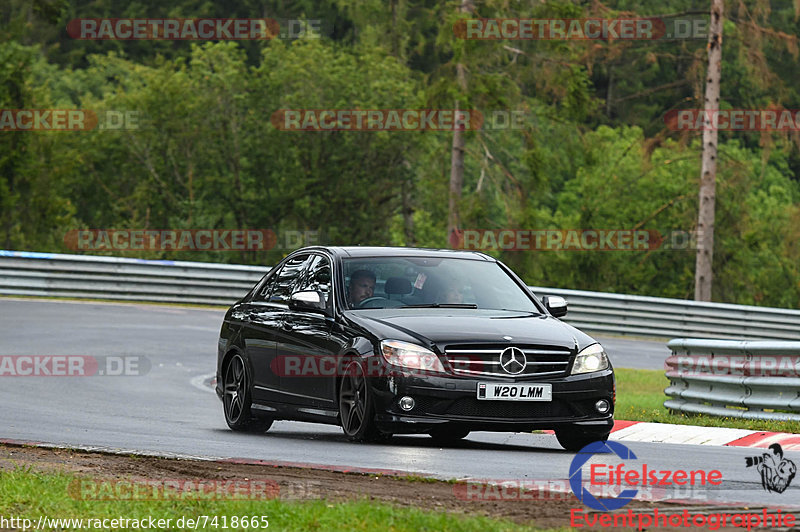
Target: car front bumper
point(452, 401)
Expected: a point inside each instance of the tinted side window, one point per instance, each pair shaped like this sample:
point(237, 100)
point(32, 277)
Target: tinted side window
point(285, 280)
point(317, 277)
point(266, 288)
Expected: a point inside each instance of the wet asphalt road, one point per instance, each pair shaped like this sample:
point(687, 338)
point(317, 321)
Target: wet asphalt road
point(168, 410)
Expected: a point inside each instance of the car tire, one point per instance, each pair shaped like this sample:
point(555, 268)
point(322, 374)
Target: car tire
point(236, 398)
point(448, 436)
point(356, 406)
point(574, 440)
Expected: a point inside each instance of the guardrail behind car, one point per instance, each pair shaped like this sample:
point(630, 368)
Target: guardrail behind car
point(747, 379)
point(670, 318)
point(96, 277)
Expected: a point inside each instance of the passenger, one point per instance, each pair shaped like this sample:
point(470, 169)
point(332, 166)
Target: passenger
point(450, 293)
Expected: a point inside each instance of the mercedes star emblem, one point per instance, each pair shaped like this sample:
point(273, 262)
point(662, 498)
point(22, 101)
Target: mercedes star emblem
point(513, 360)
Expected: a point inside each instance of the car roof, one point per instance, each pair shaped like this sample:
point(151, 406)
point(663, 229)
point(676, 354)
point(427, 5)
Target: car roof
point(387, 251)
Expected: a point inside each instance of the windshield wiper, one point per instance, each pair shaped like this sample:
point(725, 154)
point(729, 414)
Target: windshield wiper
point(528, 312)
point(442, 305)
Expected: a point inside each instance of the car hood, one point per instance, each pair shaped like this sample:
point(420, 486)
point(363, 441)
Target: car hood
point(441, 327)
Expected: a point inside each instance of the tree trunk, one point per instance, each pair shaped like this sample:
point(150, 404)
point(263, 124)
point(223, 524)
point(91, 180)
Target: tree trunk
point(408, 209)
point(395, 37)
point(705, 217)
point(457, 150)
point(456, 179)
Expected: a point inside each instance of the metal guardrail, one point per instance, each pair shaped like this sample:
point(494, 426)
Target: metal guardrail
point(94, 277)
point(670, 318)
point(747, 379)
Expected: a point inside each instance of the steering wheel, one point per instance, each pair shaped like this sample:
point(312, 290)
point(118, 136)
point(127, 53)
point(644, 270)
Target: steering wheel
point(370, 300)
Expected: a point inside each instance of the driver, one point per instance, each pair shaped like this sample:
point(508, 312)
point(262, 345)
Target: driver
point(362, 286)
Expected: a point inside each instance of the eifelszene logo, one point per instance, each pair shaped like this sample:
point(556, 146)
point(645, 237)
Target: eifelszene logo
point(611, 478)
point(576, 475)
point(776, 471)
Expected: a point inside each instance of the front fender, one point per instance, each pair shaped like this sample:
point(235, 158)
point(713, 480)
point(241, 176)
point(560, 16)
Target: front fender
point(359, 347)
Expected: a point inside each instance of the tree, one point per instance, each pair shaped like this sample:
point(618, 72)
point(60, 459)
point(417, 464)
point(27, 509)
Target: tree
point(708, 173)
point(457, 149)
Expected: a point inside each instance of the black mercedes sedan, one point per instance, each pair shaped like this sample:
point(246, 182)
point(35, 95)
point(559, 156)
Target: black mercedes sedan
point(385, 341)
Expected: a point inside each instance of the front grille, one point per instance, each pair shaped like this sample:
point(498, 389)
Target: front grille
point(506, 409)
point(484, 360)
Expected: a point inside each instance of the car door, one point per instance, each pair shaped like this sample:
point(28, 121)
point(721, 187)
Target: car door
point(264, 315)
point(305, 346)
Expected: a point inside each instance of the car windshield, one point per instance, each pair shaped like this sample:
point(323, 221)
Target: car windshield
point(419, 282)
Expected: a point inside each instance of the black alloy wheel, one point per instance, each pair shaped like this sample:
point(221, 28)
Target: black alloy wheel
point(237, 400)
point(356, 411)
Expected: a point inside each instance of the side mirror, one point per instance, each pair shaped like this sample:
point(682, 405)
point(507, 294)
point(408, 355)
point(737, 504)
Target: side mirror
point(556, 305)
point(309, 300)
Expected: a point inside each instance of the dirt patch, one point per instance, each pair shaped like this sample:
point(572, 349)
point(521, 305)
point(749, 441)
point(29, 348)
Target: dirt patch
point(299, 483)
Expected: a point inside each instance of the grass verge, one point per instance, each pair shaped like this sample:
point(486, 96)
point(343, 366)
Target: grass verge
point(25, 493)
point(640, 397)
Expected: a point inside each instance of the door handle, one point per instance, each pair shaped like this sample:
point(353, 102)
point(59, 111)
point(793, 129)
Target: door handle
point(286, 326)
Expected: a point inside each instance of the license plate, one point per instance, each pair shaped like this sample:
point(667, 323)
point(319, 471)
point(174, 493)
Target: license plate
point(491, 391)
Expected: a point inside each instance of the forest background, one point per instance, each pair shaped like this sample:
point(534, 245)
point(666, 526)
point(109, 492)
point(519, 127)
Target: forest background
point(593, 150)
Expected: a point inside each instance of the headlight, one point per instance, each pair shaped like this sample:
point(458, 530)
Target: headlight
point(593, 358)
point(410, 356)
